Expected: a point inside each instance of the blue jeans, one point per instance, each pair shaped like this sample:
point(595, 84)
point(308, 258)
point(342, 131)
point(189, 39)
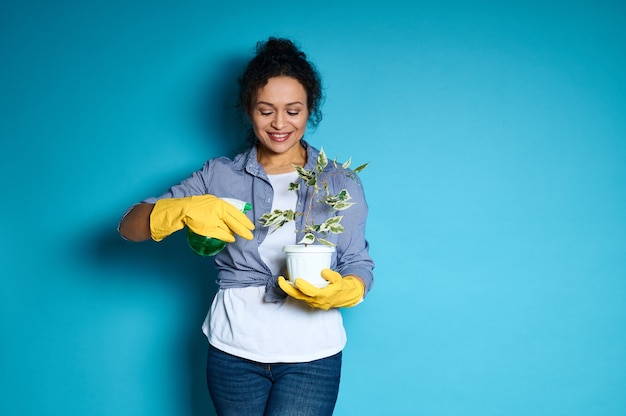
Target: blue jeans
point(247, 388)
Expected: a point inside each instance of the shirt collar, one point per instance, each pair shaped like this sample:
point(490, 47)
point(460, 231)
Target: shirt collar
point(248, 160)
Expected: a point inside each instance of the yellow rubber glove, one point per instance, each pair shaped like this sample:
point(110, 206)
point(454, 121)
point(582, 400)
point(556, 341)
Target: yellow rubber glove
point(205, 215)
point(341, 292)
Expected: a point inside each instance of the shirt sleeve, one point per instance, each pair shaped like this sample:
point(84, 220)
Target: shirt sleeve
point(352, 248)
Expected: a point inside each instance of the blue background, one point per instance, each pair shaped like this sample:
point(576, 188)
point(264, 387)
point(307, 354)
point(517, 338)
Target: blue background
point(497, 139)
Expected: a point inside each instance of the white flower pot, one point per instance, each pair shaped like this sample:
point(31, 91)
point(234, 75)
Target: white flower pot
point(307, 262)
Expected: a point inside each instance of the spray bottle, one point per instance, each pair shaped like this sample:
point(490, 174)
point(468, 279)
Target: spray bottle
point(207, 246)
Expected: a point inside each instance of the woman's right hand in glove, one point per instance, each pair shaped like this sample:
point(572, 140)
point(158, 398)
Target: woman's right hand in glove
point(205, 215)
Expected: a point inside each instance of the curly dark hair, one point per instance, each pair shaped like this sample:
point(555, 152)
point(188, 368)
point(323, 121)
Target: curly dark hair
point(281, 57)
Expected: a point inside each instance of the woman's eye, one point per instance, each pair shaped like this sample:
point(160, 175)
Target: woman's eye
point(293, 113)
point(265, 113)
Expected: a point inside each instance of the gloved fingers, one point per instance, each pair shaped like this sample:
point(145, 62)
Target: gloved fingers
point(331, 275)
point(358, 288)
point(223, 234)
point(218, 217)
point(290, 290)
point(239, 224)
point(229, 210)
point(307, 288)
point(242, 219)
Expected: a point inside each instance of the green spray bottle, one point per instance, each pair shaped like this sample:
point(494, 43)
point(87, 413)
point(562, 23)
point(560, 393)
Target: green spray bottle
point(207, 246)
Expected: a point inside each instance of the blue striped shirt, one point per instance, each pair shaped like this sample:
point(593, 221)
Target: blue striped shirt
point(243, 178)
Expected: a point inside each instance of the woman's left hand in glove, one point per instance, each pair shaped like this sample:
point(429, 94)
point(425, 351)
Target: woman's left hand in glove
point(341, 292)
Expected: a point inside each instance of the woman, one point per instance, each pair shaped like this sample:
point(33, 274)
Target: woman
point(273, 349)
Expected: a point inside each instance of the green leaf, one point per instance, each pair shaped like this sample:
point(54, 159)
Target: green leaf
point(330, 224)
point(360, 168)
point(322, 161)
point(307, 239)
point(347, 163)
point(339, 201)
point(343, 195)
point(341, 205)
point(333, 225)
point(277, 218)
point(312, 228)
point(307, 176)
point(334, 220)
point(337, 229)
point(326, 242)
point(294, 186)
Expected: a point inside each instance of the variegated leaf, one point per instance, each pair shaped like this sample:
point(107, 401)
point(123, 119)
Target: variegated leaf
point(322, 161)
point(326, 242)
point(341, 205)
point(307, 239)
point(337, 229)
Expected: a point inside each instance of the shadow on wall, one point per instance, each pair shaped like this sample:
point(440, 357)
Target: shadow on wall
point(223, 124)
point(170, 264)
point(225, 131)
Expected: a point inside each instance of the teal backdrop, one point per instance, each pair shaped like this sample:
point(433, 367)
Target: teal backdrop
point(496, 133)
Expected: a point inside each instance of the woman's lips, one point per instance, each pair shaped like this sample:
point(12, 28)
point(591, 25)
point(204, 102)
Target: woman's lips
point(279, 137)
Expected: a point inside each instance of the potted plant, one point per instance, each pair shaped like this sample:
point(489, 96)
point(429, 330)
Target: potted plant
point(306, 259)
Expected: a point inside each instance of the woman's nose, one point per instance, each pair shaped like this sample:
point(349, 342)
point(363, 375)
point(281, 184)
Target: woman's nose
point(279, 121)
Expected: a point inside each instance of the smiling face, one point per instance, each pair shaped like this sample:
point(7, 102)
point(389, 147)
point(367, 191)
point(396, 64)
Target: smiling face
point(279, 117)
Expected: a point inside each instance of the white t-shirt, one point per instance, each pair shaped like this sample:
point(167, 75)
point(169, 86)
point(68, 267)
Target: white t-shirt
point(241, 323)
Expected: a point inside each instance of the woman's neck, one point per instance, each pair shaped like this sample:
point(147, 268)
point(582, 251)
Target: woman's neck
point(275, 163)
